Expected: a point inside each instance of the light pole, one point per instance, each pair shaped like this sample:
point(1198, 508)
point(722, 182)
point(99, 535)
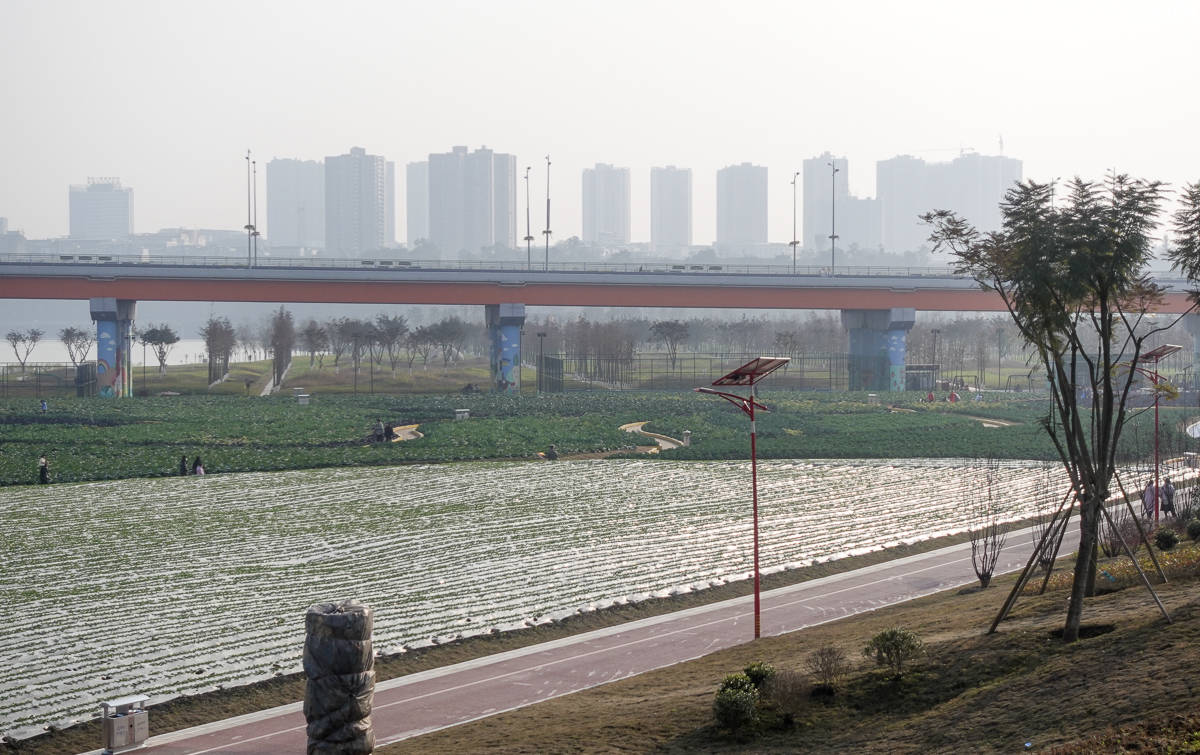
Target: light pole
point(748, 374)
point(546, 266)
point(1154, 355)
point(541, 341)
point(528, 235)
point(935, 332)
point(795, 241)
point(249, 217)
point(833, 217)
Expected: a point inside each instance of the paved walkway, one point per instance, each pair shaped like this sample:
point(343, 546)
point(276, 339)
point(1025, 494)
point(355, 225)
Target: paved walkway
point(435, 699)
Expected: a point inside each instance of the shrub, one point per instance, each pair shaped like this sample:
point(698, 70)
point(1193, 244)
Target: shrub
point(894, 648)
point(1193, 529)
point(736, 708)
point(828, 666)
point(786, 691)
point(738, 682)
point(1166, 539)
point(759, 672)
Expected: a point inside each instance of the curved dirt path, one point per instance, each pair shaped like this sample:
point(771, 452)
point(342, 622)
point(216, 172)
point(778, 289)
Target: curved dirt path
point(665, 442)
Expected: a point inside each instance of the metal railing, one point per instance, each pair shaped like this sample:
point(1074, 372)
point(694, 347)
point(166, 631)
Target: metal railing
point(386, 264)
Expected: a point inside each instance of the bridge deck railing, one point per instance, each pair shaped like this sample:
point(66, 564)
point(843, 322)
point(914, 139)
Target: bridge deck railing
point(385, 264)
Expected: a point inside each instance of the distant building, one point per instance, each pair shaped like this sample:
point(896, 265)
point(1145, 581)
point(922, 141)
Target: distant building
point(296, 204)
point(824, 192)
point(971, 185)
point(670, 208)
point(416, 201)
point(11, 242)
point(472, 200)
point(359, 205)
point(101, 210)
point(742, 205)
point(606, 205)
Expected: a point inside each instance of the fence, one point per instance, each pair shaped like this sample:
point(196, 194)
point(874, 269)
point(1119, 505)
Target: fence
point(47, 380)
point(658, 371)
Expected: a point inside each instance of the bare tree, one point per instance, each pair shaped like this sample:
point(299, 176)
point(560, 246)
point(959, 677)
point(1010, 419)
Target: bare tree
point(987, 538)
point(79, 342)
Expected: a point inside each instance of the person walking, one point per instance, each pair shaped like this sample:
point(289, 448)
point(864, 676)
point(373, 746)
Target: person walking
point(197, 466)
point(1168, 498)
point(1148, 497)
point(45, 406)
point(379, 434)
point(183, 466)
point(43, 470)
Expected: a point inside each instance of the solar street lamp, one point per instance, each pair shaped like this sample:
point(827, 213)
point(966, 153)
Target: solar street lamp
point(748, 375)
point(1154, 355)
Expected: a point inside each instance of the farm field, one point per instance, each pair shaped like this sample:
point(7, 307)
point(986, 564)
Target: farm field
point(179, 585)
point(90, 439)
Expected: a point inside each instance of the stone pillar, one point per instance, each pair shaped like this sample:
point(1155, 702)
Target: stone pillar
point(878, 346)
point(114, 345)
point(504, 323)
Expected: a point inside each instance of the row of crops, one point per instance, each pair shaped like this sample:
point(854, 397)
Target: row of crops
point(177, 585)
point(89, 439)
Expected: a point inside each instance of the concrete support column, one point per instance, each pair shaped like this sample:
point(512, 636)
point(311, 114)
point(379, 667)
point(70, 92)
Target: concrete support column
point(504, 323)
point(878, 347)
point(114, 344)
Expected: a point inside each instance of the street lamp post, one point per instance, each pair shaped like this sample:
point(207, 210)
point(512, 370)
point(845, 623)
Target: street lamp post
point(528, 234)
point(833, 218)
point(546, 266)
point(1154, 355)
point(795, 240)
point(748, 375)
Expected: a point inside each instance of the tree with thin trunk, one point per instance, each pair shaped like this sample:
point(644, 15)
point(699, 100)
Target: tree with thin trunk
point(283, 339)
point(219, 340)
point(987, 536)
point(671, 333)
point(161, 339)
point(338, 333)
point(1073, 276)
point(391, 332)
point(315, 341)
point(23, 343)
point(79, 342)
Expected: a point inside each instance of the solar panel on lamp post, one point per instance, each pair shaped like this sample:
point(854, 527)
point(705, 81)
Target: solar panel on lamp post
point(748, 375)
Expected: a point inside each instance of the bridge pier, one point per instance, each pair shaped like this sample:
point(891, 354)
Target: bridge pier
point(878, 345)
point(114, 344)
point(504, 323)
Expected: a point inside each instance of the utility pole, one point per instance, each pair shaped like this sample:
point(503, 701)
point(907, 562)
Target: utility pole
point(249, 218)
point(833, 218)
point(528, 234)
point(795, 241)
point(254, 221)
point(546, 266)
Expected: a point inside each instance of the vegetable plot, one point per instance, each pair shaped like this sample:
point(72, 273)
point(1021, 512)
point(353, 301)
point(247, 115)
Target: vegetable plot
point(177, 585)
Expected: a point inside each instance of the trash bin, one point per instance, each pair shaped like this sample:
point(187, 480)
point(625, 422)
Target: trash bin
point(125, 723)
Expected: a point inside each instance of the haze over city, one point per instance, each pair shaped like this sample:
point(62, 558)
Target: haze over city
point(169, 96)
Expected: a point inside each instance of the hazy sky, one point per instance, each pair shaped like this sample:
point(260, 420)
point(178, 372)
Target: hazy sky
point(168, 94)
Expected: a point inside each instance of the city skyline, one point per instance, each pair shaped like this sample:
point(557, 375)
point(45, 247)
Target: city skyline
point(925, 79)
